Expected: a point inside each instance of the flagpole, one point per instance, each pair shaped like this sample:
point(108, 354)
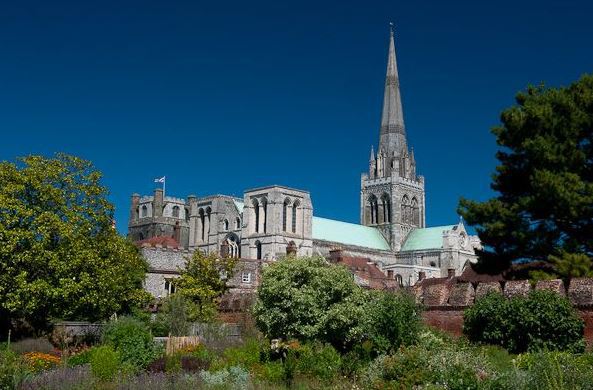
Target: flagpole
point(164, 181)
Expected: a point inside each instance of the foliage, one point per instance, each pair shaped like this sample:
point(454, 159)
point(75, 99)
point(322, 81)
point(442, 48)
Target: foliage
point(175, 316)
point(203, 280)
point(105, 363)
point(543, 320)
point(80, 358)
point(61, 378)
point(59, 254)
point(544, 181)
point(234, 377)
point(391, 320)
point(319, 360)
point(13, 369)
point(307, 299)
point(132, 340)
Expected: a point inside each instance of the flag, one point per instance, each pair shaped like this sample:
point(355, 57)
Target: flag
point(161, 180)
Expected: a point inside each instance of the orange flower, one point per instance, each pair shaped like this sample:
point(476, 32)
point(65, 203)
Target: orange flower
point(39, 361)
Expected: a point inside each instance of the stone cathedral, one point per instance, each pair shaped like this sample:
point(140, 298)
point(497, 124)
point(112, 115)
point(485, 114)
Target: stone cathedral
point(269, 222)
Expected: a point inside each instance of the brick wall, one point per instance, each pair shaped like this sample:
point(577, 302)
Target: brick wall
point(445, 299)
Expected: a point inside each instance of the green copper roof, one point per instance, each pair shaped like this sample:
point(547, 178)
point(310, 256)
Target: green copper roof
point(427, 238)
point(348, 233)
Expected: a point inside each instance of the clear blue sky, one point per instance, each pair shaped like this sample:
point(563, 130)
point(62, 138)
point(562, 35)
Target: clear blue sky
point(224, 96)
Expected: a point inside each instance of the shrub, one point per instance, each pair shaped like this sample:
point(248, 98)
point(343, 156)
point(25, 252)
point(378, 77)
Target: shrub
point(319, 360)
point(105, 363)
point(61, 378)
point(391, 320)
point(307, 299)
point(81, 358)
point(132, 340)
point(541, 320)
point(13, 370)
point(234, 377)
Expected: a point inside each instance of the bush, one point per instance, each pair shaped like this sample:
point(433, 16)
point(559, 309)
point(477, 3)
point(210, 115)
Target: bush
point(391, 320)
point(234, 377)
point(132, 340)
point(81, 358)
point(543, 320)
point(319, 360)
point(13, 370)
point(105, 363)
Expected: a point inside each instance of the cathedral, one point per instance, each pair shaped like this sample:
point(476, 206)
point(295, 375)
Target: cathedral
point(268, 223)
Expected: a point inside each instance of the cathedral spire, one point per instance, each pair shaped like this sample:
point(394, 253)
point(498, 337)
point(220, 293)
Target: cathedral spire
point(372, 153)
point(393, 134)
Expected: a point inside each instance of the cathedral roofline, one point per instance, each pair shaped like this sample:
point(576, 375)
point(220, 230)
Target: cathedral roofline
point(276, 186)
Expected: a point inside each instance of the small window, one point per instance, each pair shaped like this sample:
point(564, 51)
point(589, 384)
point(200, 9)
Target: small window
point(226, 224)
point(246, 277)
point(238, 223)
point(169, 287)
point(258, 252)
point(175, 212)
point(390, 274)
point(144, 211)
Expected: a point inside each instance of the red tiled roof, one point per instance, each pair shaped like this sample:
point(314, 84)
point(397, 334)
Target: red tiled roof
point(168, 242)
point(361, 264)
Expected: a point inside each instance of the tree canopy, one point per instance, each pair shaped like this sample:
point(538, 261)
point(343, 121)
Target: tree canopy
point(543, 209)
point(60, 257)
point(309, 299)
point(203, 280)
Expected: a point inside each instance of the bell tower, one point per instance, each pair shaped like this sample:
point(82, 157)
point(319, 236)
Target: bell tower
point(392, 196)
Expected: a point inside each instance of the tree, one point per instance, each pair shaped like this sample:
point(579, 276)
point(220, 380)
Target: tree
point(203, 280)
point(544, 181)
point(60, 257)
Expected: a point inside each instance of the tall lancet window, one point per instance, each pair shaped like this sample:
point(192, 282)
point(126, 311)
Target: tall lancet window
point(415, 212)
point(386, 208)
point(295, 207)
point(285, 214)
point(256, 210)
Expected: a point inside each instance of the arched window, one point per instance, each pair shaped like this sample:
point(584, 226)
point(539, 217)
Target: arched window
point(415, 212)
point(140, 236)
point(285, 214)
point(203, 222)
point(258, 253)
point(208, 218)
point(232, 242)
point(238, 223)
point(144, 211)
point(405, 207)
point(295, 207)
point(374, 209)
point(264, 203)
point(186, 214)
point(256, 210)
point(386, 208)
point(399, 280)
point(175, 212)
point(225, 224)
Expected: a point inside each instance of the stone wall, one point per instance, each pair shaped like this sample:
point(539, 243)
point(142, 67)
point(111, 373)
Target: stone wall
point(445, 299)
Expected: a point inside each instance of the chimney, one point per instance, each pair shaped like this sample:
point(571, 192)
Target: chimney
point(158, 203)
point(134, 212)
point(336, 254)
point(450, 272)
point(421, 275)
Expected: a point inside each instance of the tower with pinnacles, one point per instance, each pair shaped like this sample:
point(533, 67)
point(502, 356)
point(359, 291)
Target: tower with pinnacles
point(391, 242)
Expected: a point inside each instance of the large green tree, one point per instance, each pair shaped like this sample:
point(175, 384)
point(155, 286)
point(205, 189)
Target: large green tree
point(543, 209)
point(309, 299)
point(203, 280)
point(60, 257)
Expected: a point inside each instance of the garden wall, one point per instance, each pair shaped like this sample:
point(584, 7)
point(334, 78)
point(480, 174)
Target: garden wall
point(445, 299)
